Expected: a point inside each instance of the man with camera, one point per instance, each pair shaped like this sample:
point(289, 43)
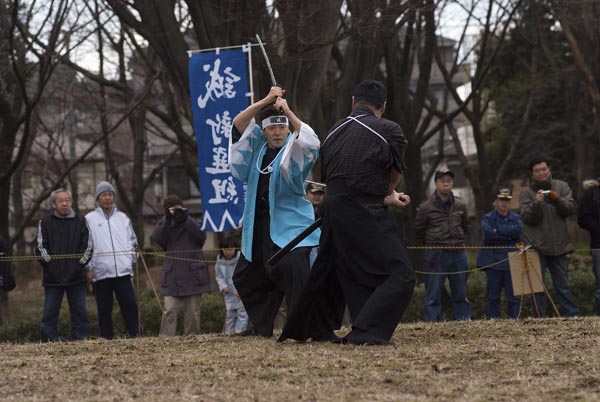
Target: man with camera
point(545, 206)
point(185, 273)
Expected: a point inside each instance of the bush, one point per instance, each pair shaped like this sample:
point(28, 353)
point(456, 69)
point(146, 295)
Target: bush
point(212, 308)
point(153, 255)
point(27, 329)
point(581, 280)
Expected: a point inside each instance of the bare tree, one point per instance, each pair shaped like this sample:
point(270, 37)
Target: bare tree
point(493, 30)
point(124, 99)
point(580, 23)
point(24, 75)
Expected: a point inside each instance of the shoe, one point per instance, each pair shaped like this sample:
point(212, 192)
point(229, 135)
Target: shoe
point(247, 332)
point(327, 338)
point(251, 332)
point(363, 338)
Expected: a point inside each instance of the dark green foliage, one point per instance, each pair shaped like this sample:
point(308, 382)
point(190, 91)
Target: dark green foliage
point(153, 259)
point(212, 312)
point(536, 63)
point(212, 306)
point(27, 329)
point(581, 280)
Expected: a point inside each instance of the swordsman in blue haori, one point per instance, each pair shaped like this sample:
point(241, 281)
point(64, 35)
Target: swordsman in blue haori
point(273, 159)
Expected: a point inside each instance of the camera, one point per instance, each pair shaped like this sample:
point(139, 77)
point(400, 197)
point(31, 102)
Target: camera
point(545, 192)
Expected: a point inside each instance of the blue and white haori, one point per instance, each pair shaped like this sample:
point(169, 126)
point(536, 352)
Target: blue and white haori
point(291, 213)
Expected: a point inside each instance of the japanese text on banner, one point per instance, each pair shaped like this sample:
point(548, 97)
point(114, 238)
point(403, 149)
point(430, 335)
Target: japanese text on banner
point(219, 90)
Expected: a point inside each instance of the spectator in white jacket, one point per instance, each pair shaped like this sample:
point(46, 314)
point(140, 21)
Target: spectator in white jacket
point(112, 263)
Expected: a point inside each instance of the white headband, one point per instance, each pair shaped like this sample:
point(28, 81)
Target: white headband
point(273, 120)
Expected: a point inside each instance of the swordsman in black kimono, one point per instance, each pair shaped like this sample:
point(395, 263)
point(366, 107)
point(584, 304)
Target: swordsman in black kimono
point(362, 259)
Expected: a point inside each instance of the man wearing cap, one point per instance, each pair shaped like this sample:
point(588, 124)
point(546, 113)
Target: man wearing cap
point(112, 263)
point(545, 206)
point(441, 225)
point(362, 260)
point(64, 232)
point(273, 159)
point(502, 229)
point(185, 276)
point(315, 192)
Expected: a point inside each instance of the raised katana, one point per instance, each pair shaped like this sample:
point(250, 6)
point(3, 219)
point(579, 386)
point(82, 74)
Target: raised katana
point(264, 52)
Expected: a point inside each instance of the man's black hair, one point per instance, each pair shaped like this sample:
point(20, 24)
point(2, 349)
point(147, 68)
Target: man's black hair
point(538, 160)
point(269, 111)
point(371, 92)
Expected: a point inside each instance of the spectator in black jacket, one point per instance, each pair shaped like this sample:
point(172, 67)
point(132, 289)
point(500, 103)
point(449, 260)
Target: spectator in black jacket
point(589, 219)
point(65, 246)
point(7, 280)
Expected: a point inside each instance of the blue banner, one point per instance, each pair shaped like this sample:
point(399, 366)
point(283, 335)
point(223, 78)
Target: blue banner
point(219, 91)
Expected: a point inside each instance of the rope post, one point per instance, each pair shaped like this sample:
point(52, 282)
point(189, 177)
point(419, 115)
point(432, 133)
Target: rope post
point(137, 291)
point(151, 281)
point(526, 264)
point(549, 296)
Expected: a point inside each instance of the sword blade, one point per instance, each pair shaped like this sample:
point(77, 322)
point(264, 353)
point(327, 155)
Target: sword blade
point(264, 52)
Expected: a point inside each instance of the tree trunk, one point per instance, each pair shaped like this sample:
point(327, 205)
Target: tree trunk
point(4, 208)
point(414, 183)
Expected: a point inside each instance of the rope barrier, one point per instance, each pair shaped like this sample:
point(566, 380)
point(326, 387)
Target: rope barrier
point(166, 254)
point(3, 257)
point(462, 272)
point(15, 258)
point(139, 253)
point(460, 247)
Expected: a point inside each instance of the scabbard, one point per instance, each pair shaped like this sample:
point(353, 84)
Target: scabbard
point(286, 249)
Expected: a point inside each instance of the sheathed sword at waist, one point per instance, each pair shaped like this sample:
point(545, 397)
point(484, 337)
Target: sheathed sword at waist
point(294, 242)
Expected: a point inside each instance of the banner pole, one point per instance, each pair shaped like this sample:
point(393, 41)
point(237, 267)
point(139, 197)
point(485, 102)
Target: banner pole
point(190, 52)
point(250, 72)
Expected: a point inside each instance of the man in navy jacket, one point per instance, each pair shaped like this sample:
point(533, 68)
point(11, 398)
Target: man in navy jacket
point(501, 228)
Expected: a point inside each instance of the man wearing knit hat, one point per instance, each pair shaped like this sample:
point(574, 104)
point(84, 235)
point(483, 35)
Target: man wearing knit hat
point(185, 277)
point(112, 263)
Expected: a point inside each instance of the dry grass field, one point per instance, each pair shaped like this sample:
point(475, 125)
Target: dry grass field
point(526, 360)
